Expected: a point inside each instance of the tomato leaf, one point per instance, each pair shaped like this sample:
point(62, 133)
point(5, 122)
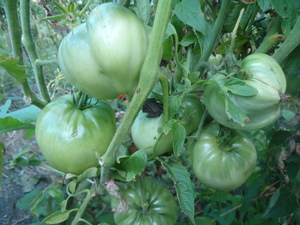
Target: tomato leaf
point(12, 68)
point(282, 203)
point(184, 188)
point(188, 40)
point(189, 12)
point(235, 113)
point(143, 10)
point(239, 87)
point(58, 217)
point(134, 165)
point(178, 137)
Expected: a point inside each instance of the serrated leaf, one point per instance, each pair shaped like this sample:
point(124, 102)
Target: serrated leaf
point(189, 12)
point(178, 138)
point(184, 188)
point(11, 66)
point(58, 217)
point(134, 165)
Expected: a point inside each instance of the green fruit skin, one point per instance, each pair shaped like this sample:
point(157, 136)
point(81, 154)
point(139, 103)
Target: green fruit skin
point(223, 166)
point(145, 131)
point(263, 109)
point(103, 57)
point(149, 203)
point(69, 138)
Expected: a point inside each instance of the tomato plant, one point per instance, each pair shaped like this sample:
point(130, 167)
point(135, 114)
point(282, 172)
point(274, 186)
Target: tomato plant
point(145, 202)
point(223, 160)
point(261, 108)
point(103, 57)
point(147, 131)
point(226, 54)
point(71, 138)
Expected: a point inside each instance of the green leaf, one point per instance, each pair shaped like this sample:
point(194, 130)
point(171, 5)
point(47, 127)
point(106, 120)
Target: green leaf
point(26, 115)
point(28, 199)
point(12, 68)
point(2, 148)
point(175, 103)
point(60, 7)
point(189, 12)
point(143, 10)
point(283, 203)
point(134, 165)
point(235, 113)
point(10, 124)
point(264, 4)
point(188, 40)
point(184, 188)
point(56, 17)
point(178, 138)
point(239, 87)
point(58, 217)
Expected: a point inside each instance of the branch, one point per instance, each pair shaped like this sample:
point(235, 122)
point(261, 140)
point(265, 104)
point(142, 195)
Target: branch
point(148, 78)
point(31, 49)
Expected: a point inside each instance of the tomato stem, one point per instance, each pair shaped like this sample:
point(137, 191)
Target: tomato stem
point(216, 30)
point(266, 45)
point(290, 43)
point(165, 91)
point(148, 78)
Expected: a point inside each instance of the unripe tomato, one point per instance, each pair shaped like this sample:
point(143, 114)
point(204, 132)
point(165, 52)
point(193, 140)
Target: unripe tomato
point(69, 138)
point(103, 57)
point(263, 108)
point(223, 161)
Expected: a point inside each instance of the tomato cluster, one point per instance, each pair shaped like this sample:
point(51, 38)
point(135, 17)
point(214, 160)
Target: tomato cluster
point(103, 58)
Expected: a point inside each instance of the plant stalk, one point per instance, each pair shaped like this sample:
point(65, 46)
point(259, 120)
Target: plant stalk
point(15, 34)
point(148, 78)
point(31, 49)
point(290, 43)
point(216, 30)
point(266, 44)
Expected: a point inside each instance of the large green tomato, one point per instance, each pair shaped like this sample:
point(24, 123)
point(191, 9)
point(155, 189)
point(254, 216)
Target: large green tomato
point(145, 131)
point(262, 109)
point(149, 203)
point(69, 138)
point(223, 161)
point(103, 57)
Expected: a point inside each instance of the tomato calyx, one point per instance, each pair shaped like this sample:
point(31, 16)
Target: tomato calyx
point(82, 101)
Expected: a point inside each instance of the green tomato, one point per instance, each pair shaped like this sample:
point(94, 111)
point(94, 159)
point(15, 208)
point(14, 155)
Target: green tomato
point(103, 57)
point(69, 138)
point(262, 109)
point(149, 203)
point(146, 131)
point(223, 163)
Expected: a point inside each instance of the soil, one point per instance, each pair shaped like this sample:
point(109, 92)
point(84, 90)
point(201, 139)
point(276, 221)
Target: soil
point(19, 180)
